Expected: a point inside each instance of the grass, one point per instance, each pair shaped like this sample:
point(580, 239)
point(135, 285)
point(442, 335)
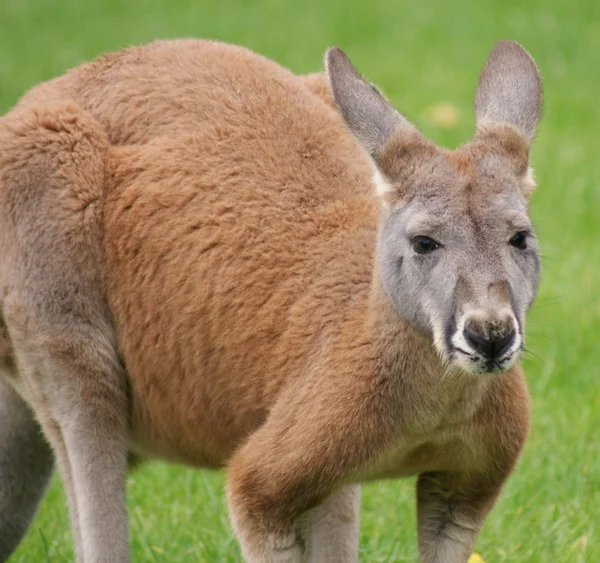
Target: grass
point(426, 56)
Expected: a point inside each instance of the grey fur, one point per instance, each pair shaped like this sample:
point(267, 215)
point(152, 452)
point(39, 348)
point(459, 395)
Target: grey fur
point(26, 465)
point(510, 89)
point(331, 529)
point(370, 117)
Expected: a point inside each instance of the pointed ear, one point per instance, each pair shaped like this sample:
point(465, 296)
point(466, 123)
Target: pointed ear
point(509, 91)
point(370, 117)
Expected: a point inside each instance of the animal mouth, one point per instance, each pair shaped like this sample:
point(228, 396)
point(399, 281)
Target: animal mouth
point(483, 346)
point(479, 364)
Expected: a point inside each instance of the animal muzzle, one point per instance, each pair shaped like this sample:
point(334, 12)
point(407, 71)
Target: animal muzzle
point(486, 344)
point(490, 340)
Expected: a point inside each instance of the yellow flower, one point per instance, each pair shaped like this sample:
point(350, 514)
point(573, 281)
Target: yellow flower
point(476, 558)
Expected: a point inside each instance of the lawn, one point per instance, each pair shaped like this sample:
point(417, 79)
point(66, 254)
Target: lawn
point(426, 56)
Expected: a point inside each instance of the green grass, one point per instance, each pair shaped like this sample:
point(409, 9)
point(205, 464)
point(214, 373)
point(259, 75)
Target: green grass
point(423, 54)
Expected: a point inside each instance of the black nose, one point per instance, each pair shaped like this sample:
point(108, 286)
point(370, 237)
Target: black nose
point(490, 345)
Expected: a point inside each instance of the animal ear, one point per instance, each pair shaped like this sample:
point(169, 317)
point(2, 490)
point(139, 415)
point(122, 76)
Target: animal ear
point(370, 117)
point(509, 91)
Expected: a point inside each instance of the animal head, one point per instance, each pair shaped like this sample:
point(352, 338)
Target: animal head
point(457, 254)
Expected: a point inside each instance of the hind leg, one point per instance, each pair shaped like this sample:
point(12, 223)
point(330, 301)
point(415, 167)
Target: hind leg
point(26, 465)
point(53, 173)
point(81, 402)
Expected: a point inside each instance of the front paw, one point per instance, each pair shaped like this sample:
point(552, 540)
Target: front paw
point(292, 553)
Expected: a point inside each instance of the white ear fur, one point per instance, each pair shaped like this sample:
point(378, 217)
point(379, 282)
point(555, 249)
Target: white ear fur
point(382, 186)
point(529, 184)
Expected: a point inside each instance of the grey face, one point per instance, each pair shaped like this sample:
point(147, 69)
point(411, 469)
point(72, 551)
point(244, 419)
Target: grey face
point(461, 262)
point(456, 252)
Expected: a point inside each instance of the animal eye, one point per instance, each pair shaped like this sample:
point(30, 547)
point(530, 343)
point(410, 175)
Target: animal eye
point(520, 240)
point(424, 245)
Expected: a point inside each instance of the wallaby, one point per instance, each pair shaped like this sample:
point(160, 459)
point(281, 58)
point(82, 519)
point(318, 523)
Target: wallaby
point(201, 264)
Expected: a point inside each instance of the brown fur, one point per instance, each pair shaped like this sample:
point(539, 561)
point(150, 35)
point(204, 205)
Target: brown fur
point(215, 232)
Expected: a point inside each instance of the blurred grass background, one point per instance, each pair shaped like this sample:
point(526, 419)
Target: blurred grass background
point(426, 56)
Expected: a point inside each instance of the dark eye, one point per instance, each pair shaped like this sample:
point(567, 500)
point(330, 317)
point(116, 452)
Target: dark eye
point(424, 245)
point(520, 240)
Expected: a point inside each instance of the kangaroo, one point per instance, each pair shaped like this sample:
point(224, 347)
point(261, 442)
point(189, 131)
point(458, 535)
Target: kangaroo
point(203, 262)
